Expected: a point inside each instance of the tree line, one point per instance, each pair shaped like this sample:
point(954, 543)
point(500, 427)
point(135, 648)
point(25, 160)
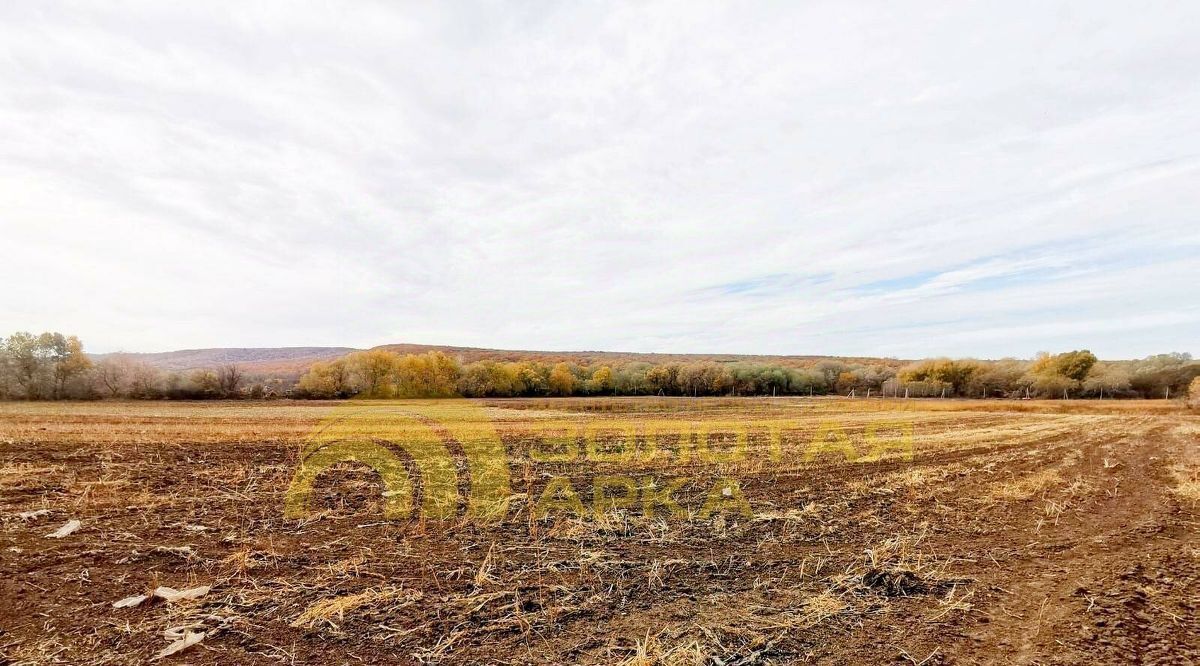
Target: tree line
point(54, 366)
point(1074, 374)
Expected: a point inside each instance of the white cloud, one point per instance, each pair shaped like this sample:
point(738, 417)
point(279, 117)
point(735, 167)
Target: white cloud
point(986, 180)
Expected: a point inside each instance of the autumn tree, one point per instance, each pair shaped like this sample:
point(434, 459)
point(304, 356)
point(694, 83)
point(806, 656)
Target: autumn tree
point(829, 371)
point(662, 378)
point(601, 381)
point(205, 383)
point(630, 379)
point(532, 378)
point(1194, 394)
point(846, 382)
point(807, 381)
point(27, 363)
point(229, 379)
point(744, 378)
point(373, 371)
point(69, 362)
point(326, 380)
point(997, 379)
point(1053, 385)
point(691, 378)
point(429, 375)
point(954, 374)
point(42, 365)
point(1162, 375)
point(114, 373)
point(1075, 365)
point(484, 379)
point(1057, 375)
point(145, 381)
point(562, 380)
point(1107, 379)
point(704, 378)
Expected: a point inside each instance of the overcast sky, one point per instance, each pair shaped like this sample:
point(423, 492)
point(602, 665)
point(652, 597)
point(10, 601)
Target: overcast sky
point(903, 179)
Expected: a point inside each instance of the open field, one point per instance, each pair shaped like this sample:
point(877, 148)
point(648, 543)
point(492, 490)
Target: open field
point(1018, 532)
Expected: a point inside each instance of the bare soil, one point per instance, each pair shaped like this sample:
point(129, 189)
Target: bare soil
point(1020, 533)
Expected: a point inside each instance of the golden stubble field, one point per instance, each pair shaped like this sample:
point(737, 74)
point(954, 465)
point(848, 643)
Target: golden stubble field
point(1016, 532)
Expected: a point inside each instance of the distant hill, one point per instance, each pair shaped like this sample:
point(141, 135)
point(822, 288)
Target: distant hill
point(282, 362)
point(291, 362)
point(472, 354)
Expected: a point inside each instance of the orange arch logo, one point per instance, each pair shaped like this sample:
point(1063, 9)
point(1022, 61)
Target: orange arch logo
point(447, 443)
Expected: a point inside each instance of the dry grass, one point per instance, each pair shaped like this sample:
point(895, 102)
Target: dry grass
point(1187, 482)
point(1028, 486)
point(326, 611)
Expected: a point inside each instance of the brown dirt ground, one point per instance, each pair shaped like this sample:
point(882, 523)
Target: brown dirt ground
point(1021, 533)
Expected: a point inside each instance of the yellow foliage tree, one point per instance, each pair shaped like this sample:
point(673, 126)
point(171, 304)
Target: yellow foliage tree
point(430, 375)
point(326, 380)
point(562, 380)
point(374, 371)
point(71, 363)
point(602, 380)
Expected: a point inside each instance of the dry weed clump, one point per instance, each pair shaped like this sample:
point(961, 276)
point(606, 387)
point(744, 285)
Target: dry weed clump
point(897, 567)
point(1028, 486)
point(381, 601)
point(736, 630)
point(1187, 481)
